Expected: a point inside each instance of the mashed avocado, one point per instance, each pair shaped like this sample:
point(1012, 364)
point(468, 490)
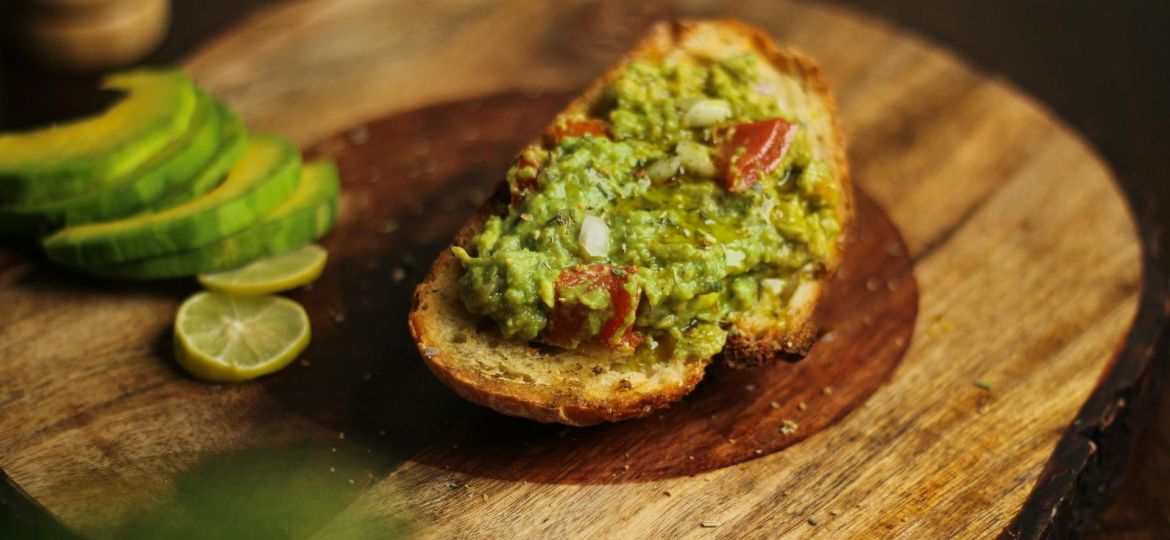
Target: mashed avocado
point(684, 199)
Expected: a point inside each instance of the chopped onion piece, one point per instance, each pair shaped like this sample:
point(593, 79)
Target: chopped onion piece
point(663, 169)
point(734, 258)
point(695, 159)
point(707, 112)
point(594, 237)
point(773, 284)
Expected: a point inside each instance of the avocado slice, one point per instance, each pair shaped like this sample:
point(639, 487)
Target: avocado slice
point(67, 160)
point(213, 138)
point(267, 173)
point(232, 141)
point(305, 216)
point(176, 163)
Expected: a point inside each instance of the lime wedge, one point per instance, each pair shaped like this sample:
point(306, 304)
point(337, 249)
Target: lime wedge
point(288, 270)
point(219, 337)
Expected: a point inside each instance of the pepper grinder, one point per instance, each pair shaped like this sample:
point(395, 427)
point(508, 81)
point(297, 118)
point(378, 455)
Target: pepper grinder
point(81, 36)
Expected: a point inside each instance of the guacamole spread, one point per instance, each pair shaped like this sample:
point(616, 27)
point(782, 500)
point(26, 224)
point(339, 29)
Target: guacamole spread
point(685, 198)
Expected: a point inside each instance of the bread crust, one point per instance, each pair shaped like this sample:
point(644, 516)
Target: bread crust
point(549, 389)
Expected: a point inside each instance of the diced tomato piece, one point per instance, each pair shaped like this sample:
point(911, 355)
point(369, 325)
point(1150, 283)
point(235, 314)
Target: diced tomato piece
point(576, 127)
point(568, 318)
point(750, 151)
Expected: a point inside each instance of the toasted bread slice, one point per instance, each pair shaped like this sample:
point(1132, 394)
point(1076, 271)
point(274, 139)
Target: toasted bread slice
point(591, 385)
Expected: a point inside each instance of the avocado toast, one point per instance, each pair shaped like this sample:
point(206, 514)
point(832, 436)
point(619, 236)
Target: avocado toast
point(690, 205)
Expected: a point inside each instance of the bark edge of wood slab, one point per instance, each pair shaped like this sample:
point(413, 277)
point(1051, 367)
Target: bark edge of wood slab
point(1093, 457)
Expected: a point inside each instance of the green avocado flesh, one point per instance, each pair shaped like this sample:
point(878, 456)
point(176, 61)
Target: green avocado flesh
point(303, 217)
point(233, 139)
point(174, 165)
point(681, 255)
point(266, 174)
point(68, 160)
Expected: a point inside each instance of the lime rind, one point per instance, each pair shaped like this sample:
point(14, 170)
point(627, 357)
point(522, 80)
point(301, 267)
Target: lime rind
point(283, 272)
point(219, 337)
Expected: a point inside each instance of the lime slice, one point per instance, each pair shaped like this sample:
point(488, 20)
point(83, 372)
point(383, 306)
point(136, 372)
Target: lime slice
point(288, 270)
point(219, 337)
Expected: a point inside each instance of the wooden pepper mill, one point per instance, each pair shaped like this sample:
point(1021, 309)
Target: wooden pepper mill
point(89, 35)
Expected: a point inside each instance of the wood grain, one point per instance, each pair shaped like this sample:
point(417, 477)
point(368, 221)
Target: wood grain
point(1028, 265)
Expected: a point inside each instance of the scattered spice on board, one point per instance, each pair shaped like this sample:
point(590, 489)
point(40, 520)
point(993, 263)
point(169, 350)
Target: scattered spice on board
point(982, 407)
point(398, 274)
point(358, 135)
point(983, 384)
point(711, 523)
point(813, 521)
point(939, 325)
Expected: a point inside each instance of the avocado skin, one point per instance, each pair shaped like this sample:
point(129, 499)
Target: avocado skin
point(68, 160)
point(232, 143)
point(268, 172)
point(307, 215)
point(174, 166)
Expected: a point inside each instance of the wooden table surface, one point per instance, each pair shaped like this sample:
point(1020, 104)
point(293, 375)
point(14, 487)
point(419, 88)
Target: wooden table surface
point(1124, 129)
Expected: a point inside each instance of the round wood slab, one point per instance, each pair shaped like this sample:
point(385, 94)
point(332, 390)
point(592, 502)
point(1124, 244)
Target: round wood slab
point(988, 342)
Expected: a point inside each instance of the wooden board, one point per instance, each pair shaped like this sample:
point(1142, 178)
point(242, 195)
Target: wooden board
point(1027, 264)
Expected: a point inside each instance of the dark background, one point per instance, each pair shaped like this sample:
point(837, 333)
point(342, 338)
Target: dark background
point(1102, 66)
